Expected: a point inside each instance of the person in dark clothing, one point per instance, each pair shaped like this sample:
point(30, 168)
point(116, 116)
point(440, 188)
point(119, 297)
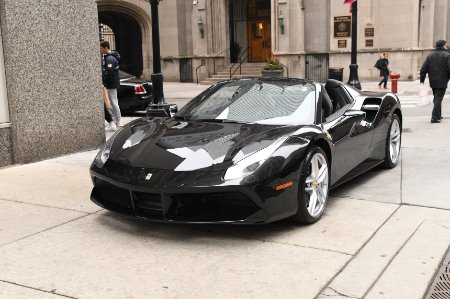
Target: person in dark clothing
point(437, 66)
point(382, 65)
point(111, 79)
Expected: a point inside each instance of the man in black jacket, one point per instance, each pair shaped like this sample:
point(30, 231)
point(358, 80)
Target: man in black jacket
point(110, 77)
point(437, 66)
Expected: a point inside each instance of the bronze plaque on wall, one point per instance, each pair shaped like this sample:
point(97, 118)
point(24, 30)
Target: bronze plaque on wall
point(342, 26)
point(369, 32)
point(369, 42)
point(342, 43)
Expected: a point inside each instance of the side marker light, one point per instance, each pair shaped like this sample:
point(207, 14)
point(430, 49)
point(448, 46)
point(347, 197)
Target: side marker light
point(284, 186)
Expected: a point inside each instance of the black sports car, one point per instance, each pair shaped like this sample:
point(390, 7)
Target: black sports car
point(250, 151)
point(133, 94)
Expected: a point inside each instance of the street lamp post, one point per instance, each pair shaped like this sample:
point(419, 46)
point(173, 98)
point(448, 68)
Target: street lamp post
point(157, 76)
point(353, 79)
point(159, 107)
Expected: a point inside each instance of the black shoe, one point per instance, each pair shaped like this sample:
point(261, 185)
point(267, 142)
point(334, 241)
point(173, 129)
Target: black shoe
point(440, 118)
point(435, 121)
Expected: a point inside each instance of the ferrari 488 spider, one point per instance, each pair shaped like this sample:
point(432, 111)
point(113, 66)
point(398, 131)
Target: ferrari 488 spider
point(248, 151)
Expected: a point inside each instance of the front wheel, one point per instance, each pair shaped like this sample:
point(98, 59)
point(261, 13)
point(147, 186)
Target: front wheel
point(313, 187)
point(393, 143)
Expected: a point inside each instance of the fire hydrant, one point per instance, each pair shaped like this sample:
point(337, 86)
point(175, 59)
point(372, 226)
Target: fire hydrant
point(394, 81)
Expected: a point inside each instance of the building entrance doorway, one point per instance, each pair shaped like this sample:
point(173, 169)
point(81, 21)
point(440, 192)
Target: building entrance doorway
point(250, 30)
point(127, 39)
point(259, 40)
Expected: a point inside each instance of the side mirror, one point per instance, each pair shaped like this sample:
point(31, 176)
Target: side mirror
point(173, 109)
point(162, 110)
point(352, 113)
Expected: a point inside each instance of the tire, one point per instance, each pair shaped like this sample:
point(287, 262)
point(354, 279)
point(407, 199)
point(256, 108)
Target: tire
point(313, 185)
point(393, 143)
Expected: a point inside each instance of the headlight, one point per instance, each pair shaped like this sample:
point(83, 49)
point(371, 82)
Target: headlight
point(250, 164)
point(103, 154)
point(243, 168)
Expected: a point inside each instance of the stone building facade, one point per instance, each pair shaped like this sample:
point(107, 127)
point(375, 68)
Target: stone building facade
point(300, 33)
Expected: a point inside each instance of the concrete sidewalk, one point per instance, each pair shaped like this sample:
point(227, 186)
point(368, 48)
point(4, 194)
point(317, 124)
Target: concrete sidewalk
point(383, 235)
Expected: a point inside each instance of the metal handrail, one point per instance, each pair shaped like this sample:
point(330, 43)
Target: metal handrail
point(214, 63)
point(287, 69)
point(240, 63)
point(196, 71)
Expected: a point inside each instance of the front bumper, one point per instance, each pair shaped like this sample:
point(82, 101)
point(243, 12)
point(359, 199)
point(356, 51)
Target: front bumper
point(216, 204)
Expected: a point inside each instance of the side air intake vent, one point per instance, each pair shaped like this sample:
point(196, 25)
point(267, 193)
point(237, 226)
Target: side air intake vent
point(371, 106)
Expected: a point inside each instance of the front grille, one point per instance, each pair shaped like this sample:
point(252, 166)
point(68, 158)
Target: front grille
point(185, 207)
point(148, 205)
point(112, 197)
point(211, 207)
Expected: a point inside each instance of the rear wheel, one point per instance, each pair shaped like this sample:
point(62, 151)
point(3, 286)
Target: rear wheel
point(393, 143)
point(313, 187)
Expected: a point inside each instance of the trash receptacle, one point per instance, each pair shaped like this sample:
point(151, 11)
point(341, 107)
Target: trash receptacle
point(336, 73)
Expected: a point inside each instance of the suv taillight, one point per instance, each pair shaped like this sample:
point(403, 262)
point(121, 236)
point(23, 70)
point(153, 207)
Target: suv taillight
point(139, 89)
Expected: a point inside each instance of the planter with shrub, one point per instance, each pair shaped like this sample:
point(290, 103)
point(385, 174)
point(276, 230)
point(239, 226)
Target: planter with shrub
point(273, 69)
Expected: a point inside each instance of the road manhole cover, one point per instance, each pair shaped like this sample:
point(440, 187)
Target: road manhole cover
point(440, 288)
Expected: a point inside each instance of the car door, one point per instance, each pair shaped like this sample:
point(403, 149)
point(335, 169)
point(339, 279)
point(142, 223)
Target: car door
point(350, 136)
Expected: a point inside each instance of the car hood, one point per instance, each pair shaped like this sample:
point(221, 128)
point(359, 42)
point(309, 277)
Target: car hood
point(191, 145)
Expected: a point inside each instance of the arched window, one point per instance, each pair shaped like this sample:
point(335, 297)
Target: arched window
point(106, 33)
point(123, 31)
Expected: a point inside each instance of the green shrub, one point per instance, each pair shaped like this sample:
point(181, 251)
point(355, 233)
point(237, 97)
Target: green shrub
point(273, 65)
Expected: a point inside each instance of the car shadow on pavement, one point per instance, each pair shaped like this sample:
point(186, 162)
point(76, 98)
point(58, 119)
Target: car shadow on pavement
point(201, 233)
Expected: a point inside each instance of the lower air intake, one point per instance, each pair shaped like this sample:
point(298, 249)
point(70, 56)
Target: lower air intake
point(211, 207)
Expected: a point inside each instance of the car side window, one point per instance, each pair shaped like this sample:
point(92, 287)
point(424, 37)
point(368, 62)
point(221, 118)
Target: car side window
point(337, 113)
point(338, 94)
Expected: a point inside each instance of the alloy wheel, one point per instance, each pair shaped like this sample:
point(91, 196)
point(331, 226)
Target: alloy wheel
point(317, 185)
point(395, 141)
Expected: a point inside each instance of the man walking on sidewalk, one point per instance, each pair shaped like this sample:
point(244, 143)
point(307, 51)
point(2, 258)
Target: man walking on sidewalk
point(437, 66)
point(110, 77)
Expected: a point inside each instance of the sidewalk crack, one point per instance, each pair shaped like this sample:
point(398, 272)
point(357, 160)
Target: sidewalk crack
point(45, 230)
point(327, 285)
point(45, 206)
point(392, 258)
point(436, 223)
point(338, 294)
point(52, 292)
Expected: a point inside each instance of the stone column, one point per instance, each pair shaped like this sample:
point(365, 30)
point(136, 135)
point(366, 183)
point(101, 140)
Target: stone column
point(5, 125)
point(52, 65)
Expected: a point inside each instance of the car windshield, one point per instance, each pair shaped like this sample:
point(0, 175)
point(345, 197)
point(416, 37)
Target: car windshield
point(258, 100)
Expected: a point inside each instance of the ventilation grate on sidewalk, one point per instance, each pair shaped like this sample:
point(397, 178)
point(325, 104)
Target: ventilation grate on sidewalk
point(440, 287)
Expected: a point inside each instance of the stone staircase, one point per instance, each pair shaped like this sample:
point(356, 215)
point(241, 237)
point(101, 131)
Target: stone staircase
point(252, 69)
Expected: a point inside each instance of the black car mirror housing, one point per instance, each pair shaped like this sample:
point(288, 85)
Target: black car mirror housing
point(354, 113)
